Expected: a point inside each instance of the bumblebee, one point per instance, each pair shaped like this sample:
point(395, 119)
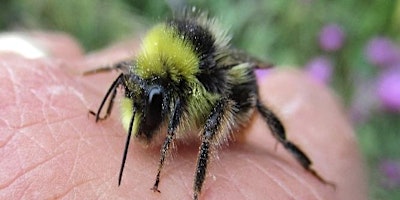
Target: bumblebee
point(188, 77)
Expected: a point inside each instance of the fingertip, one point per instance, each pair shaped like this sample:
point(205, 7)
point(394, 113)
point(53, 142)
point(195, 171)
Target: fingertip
point(316, 120)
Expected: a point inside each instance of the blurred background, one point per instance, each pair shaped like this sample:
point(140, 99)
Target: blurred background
point(353, 46)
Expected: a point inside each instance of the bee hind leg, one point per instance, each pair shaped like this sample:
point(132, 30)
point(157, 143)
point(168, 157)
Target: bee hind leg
point(278, 131)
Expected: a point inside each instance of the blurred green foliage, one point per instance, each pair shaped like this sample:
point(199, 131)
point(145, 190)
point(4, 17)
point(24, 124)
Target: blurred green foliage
point(94, 23)
point(282, 31)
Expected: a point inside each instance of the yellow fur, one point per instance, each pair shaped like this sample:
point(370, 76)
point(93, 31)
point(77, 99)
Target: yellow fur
point(165, 52)
point(127, 113)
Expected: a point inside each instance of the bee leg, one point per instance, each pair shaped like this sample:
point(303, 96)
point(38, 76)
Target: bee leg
point(215, 126)
point(278, 131)
point(123, 66)
point(173, 124)
point(113, 91)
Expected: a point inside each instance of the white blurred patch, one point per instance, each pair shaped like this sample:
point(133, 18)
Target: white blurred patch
point(293, 106)
point(20, 44)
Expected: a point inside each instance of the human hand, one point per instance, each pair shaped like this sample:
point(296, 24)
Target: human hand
point(51, 148)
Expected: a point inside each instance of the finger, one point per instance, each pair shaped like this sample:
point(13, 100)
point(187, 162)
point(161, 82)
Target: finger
point(317, 123)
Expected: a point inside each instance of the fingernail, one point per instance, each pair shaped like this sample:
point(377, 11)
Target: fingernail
point(20, 44)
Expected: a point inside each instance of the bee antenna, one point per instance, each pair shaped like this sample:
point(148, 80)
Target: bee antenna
point(128, 139)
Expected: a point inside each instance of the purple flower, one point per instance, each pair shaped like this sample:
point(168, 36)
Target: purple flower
point(391, 172)
point(388, 89)
point(320, 69)
point(382, 51)
point(261, 74)
point(331, 37)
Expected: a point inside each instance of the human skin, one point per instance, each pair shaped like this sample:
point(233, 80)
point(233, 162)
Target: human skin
point(50, 147)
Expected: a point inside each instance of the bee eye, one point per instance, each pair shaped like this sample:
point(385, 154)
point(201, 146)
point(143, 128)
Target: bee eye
point(153, 109)
point(155, 96)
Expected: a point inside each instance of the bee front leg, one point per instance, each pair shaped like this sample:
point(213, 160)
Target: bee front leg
point(113, 91)
point(173, 124)
point(215, 130)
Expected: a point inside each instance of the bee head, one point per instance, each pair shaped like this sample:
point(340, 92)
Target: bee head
point(149, 101)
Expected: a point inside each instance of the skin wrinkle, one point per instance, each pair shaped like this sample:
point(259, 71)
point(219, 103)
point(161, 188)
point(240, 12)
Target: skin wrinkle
point(6, 140)
point(24, 194)
point(136, 171)
point(185, 185)
point(11, 74)
point(53, 97)
point(82, 138)
point(286, 170)
point(39, 144)
point(20, 125)
point(215, 163)
point(177, 182)
point(74, 163)
point(24, 117)
point(48, 125)
point(91, 185)
point(25, 170)
point(101, 193)
point(16, 98)
point(71, 91)
point(273, 178)
point(235, 183)
point(50, 122)
point(50, 73)
point(50, 104)
point(78, 155)
point(73, 187)
point(77, 151)
point(45, 104)
point(231, 183)
point(108, 143)
point(109, 182)
point(61, 144)
point(25, 109)
point(5, 122)
point(20, 173)
point(43, 98)
point(80, 96)
point(299, 179)
point(47, 112)
point(50, 128)
point(6, 184)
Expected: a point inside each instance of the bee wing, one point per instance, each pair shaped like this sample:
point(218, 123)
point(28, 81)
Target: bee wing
point(237, 56)
point(123, 66)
